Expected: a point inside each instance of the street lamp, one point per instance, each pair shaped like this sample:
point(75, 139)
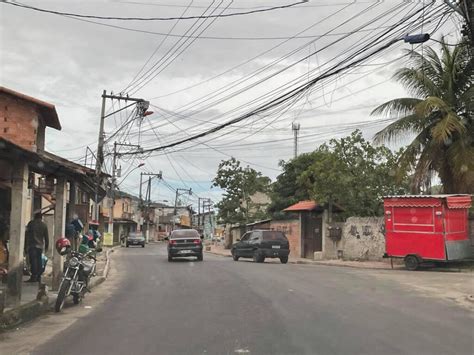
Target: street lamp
point(416, 39)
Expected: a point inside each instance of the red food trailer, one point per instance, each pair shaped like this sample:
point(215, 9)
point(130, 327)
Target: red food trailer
point(427, 228)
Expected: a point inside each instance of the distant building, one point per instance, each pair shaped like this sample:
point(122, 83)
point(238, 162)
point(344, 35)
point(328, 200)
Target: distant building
point(205, 223)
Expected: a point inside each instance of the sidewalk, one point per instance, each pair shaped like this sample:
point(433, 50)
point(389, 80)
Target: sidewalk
point(383, 265)
point(30, 308)
point(378, 265)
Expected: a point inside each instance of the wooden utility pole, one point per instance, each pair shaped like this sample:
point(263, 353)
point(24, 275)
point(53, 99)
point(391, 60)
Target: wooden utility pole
point(142, 107)
point(100, 157)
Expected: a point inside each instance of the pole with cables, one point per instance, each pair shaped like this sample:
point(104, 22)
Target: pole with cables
point(100, 157)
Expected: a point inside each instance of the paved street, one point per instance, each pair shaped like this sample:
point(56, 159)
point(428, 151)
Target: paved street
point(224, 307)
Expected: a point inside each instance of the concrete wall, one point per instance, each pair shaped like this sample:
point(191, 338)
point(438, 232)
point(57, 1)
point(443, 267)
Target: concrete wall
point(330, 245)
point(362, 238)
point(292, 230)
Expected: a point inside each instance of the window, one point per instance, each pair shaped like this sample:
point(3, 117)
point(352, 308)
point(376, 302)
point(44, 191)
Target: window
point(255, 236)
point(273, 235)
point(245, 237)
point(185, 233)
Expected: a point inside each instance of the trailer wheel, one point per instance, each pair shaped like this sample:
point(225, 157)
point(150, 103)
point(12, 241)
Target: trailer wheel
point(412, 262)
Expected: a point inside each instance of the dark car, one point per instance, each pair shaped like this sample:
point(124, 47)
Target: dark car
point(261, 244)
point(184, 242)
point(135, 238)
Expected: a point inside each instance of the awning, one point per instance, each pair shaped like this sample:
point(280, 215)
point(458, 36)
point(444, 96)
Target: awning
point(462, 201)
point(452, 201)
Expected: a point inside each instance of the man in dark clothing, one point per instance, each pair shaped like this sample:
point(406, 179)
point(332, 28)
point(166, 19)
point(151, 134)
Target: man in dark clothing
point(36, 239)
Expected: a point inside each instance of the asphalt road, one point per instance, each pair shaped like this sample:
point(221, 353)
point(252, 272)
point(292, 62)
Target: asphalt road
point(219, 306)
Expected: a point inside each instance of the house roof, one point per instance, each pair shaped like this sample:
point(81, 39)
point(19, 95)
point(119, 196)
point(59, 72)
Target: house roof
point(47, 110)
point(311, 205)
point(47, 163)
point(308, 205)
point(259, 222)
point(68, 163)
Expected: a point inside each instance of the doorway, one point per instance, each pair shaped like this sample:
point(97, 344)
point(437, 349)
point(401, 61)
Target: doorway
point(312, 234)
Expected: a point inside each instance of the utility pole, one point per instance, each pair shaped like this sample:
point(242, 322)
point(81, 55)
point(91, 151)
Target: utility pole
point(100, 157)
point(145, 205)
point(142, 107)
point(189, 191)
point(206, 202)
point(295, 126)
point(147, 235)
point(114, 180)
point(199, 213)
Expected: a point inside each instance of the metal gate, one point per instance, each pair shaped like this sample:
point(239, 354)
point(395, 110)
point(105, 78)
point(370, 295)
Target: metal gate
point(312, 234)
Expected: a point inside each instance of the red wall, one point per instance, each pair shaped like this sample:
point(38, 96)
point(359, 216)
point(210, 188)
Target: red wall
point(292, 230)
point(19, 123)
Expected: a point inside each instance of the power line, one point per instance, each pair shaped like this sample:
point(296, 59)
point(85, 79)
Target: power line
point(224, 38)
point(145, 81)
point(252, 85)
point(70, 14)
point(343, 68)
point(159, 46)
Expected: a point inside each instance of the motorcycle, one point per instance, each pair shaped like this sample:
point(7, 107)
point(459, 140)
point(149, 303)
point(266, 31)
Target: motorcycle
point(78, 270)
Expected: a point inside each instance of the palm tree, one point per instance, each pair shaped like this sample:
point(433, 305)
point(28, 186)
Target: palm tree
point(439, 115)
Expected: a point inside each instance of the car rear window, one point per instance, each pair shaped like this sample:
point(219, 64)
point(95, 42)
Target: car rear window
point(136, 235)
point(185, 233)
point(274, 236)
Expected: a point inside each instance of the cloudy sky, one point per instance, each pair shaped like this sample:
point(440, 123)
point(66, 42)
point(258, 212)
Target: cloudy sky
point(198, 74)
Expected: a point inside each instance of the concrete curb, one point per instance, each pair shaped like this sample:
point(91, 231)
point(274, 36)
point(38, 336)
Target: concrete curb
point(214, 253)
point(31, 310)
point(22, 314)
point(312, 262)
point(454, 269)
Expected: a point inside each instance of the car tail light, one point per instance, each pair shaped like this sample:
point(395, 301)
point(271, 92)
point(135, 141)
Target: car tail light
point(197, 241)
point(172, 242)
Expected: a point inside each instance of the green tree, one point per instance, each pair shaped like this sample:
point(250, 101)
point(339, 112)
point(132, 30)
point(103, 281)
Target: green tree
point(353, 174)
point(239, 184)
point(287, 189)
point(439, 115)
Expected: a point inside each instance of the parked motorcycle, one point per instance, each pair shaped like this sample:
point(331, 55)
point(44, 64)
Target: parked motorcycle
point(78, 269)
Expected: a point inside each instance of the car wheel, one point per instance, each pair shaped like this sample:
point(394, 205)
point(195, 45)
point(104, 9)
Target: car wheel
point(284, 259)
point(257, 257)
point(143, 245)
point(170, 258)
point(412, 262)
point(235, 257)
point(127, 245)
point(199, 257)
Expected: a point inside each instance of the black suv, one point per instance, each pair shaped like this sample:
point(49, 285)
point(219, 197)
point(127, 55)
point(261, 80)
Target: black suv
point(184, 242)
point(261, 244)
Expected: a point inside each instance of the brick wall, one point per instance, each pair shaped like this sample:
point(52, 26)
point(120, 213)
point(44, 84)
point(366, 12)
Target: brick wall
point(292, 230)
point(19, 123)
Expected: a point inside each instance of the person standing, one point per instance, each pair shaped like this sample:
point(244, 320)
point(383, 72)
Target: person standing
point(36, 240)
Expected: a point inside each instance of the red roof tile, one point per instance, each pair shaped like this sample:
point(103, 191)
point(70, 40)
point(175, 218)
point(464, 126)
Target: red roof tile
point(308, 205)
